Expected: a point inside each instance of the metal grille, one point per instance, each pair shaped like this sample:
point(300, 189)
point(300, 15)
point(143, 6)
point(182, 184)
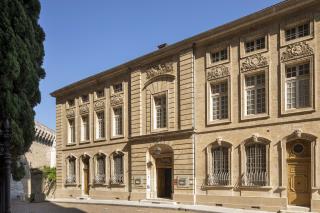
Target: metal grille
point(220, 167)
point(161, 111)
point(101, 171)
point(71, 177)
point(117, 121)
point(219, 98)
point(298, 86)
point(117, 177)
point(256, 171)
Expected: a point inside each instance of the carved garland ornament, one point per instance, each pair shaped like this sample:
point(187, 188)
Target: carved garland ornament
point(159, 69)
point(99, 105)
point(217, 72)
point(116, 99)
point(84, 109)
point(70, 113)
point(254, 62)
point(296, 50)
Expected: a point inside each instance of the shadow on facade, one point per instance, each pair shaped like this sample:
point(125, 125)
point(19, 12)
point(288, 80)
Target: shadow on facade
point(48, 207)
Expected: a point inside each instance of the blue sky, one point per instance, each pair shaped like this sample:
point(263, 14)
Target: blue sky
point(87, 37)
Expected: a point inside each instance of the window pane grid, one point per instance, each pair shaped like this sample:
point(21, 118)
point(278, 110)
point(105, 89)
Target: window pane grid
point(118, 121)
point(101, 131)
point(254, 45)
point(298, 32)
point(219, 99)
point(220, 163)
point(161, 111)
point(118, 169)
point(71, 131)
point(255, 94)
point(85, 128)
point(219, 56)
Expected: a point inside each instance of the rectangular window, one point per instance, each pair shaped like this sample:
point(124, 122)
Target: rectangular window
point(220, 163)
point(71, 175)
point(219, 56)
point(256, 173)
point(219, 101)
point(255, 94)
point(71, 131)
point(118, 169)
point(85, 128)
point(117, 88)
point(117, 121)
point(100, 170)
point(100, 125)
point(256, 44)
point(297, 32)
point(100, 94)
point(298, 86)
point(160, 111)
point(85, 98)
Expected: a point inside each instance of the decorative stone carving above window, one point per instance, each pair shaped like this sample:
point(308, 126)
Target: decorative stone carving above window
point(99, 105)
point(159, 69)
point(254, 62)
point(217, 72)
point(116, 99)
point(70, 113)
point(84, 109)
point(296, 50)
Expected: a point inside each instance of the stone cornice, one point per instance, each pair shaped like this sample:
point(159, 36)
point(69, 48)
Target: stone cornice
point(282, 8)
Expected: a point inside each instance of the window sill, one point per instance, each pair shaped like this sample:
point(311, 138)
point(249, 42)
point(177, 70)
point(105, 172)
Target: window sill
point(116, 185)
point(70, 184)
point(256, 188)
point(217, 187)
point(297, 40)
point(213, 64)
point(99, 185)
point(116, 137)
point(245, 54)
point(99, 140)
point(218, 122)
point(84, 142)
point(254, 117)
point(155, 131)
point(71, 144)
point(298, 111)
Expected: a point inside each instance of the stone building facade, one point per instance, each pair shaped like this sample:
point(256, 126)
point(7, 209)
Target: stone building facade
point(228, 117)
point(41, 153)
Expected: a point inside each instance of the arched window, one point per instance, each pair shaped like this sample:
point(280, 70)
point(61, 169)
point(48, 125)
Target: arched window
point(100, 174)
point(117, 175)
point(218, 161)
point(71, 170)
point(256, 165)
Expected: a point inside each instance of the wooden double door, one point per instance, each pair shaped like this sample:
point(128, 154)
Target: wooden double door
point(164, 176)
point(299, 174)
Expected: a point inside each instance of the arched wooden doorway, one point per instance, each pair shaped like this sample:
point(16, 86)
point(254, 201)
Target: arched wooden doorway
point(86, 174)
point(160, 172)
point(299, 172)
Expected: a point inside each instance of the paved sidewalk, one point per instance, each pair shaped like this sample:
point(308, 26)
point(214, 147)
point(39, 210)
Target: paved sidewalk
point(178, 207)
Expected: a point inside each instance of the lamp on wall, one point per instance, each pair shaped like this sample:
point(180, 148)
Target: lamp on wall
point(157, 150)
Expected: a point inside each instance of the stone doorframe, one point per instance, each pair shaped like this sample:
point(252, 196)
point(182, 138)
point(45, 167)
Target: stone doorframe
point(81, 174)
point(298, 134)
point(151, 168)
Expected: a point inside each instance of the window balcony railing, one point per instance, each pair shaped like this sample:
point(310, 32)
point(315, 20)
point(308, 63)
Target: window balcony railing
point(117, 179)
point(216, 179)
point(100, 179)
point(71, 179)
point(255, 179)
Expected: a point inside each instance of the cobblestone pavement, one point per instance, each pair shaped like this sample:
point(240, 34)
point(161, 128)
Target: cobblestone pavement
point(48, 207)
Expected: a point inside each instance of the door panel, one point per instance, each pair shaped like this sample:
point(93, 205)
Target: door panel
point(164, 182)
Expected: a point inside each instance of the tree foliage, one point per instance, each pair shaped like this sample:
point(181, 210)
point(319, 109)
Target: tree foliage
point(21, 58)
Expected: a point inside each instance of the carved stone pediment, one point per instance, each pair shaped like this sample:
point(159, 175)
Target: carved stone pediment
point(217, 72)
point(70, 113)
point(116, 99)
point(254, 62)
point(99, 105)
point(84, 109)
point(296, 50)
point(159, 69)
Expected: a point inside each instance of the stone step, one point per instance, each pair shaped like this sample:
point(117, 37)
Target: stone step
point(158, 201)
point(296, 209)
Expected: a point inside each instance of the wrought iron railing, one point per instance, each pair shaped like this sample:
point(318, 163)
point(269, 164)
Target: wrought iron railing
point(71, 179)
point(100, 179)
point(255, 179)
point(221, 178)
point(117, 179)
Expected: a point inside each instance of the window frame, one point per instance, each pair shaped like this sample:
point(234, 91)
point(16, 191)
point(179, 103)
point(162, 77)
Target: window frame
point(84, 139)
point(114, 89)
point(283, 67)
point(113, 125)
point(153, 112)
point(214, 49)
point(69, 136)
point(97, 92)
point(97, 125)
point(244, 115)
point(96, 168)
point(211, 121)
point(113, 168)
point(254, 36)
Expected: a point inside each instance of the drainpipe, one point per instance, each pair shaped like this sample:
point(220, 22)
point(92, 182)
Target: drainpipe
point(193, 127)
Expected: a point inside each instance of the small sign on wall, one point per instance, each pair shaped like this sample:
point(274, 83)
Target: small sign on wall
point(137, 181)
point(183, 181)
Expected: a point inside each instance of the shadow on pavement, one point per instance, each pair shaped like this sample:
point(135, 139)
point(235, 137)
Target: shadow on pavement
point(43, 207)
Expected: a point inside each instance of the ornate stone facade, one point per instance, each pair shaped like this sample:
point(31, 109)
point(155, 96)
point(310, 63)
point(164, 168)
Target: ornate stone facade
point(236, 104)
